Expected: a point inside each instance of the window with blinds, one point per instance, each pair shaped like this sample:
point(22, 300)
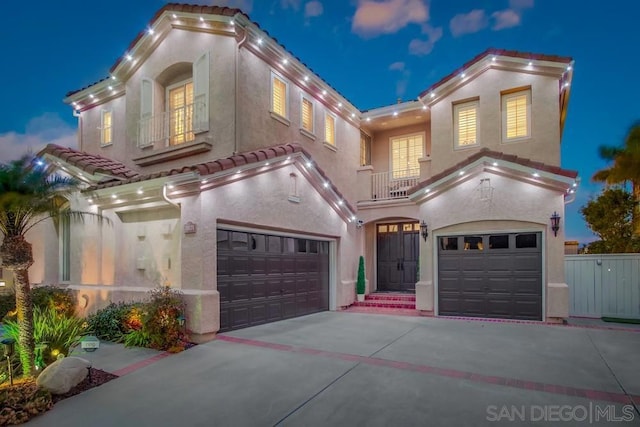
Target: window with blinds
point(106, 128)
point(405, 152)
point(180, 99)
point(516, 115)
point(466, 124)
point(365, 149)
point(307, 115)
point(329, 129)
point(278, 96)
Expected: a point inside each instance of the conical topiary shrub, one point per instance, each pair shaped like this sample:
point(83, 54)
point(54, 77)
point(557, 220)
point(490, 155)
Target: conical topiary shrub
point(360, 283)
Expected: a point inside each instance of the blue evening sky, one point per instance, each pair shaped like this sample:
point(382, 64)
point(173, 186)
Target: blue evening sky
point(372, 51)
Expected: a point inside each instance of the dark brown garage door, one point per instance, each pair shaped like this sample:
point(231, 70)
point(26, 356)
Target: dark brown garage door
point(264, 278)
point(493, 275)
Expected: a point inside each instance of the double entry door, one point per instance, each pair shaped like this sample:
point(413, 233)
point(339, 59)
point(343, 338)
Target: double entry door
point(397, 256)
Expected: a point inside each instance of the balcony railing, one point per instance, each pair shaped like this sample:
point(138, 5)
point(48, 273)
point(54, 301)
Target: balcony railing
point(393, 185)
point(172, 127)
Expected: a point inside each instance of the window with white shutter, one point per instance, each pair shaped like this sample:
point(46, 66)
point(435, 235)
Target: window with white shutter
point(307, 114)
point(200, 109)
point(329, 129)
point(516, 115)
point(279, 96)
point(106, 125)
point(405, 152)
point(466, 124)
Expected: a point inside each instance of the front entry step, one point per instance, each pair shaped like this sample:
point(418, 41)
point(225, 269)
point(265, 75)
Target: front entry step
point(388, 300)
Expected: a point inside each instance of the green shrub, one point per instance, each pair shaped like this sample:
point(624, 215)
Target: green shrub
point(53, 333)
point(360, 282)
point(162, 320)
point(137, 338)
point(110, 323)
point(7, 304)
point(62, 300)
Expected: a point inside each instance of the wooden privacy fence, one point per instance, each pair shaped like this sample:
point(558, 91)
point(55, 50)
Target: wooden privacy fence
point(603, 285)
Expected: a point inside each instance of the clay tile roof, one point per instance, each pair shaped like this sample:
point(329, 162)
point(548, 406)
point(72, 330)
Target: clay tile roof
point(90, 163)
point(497, 52)
point(496, 155)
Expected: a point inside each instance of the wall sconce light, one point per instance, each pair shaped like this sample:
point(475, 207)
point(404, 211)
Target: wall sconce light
point(424, 230)
point(555, 223)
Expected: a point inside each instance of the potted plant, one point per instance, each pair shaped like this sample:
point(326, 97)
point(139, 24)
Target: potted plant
point(360, 283)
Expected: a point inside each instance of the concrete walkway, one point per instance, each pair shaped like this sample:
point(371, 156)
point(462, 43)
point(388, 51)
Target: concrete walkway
point(351, 369)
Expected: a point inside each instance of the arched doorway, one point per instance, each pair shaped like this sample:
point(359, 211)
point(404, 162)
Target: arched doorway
point(397, 248)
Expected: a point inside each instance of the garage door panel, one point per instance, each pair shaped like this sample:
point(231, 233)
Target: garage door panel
point(274, 279)
point(504, 281)
point(472, 263)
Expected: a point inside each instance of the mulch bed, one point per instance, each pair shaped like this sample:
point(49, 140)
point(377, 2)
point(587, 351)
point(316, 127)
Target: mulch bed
point(95, 378)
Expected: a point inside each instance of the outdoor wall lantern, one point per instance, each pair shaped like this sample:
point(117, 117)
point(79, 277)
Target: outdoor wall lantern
point(424, 230)
point(8, 345)
point(555, 223)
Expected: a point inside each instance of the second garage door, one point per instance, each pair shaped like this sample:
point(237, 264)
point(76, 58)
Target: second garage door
point(493, 275)
point(264, 278)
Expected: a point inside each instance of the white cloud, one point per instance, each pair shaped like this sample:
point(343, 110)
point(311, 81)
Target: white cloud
point(245, 5)
point(375, 17)
point(422, 47)
point(468, 23)
point(313, 9)
point(40, 131)
point(397, 66)
point(505, 19)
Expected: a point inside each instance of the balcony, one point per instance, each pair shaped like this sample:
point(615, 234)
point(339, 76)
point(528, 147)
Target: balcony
point(172, 134)
point(394, 184)
point(172, 127)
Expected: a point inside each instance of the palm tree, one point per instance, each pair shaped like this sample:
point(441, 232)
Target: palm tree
point(625, 168)
point(29, 194)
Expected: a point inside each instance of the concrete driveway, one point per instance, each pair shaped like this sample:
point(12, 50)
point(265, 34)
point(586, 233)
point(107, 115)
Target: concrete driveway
point(336, 368)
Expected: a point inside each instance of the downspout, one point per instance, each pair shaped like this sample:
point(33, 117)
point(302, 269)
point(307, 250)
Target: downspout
point(236, 112)
point(166, 198)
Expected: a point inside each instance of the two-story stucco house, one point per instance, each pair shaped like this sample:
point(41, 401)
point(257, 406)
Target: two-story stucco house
point(234, 173)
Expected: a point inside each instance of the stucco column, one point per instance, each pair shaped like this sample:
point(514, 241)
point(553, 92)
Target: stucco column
point(363, 182)
point(425, 167)
point(424, 287)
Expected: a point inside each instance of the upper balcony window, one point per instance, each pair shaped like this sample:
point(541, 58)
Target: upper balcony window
point(279, 96)
point(180, 103)
point(516, 115)
point(405, 152)
point(184, 110)
point(106, 127)
point(466, 124)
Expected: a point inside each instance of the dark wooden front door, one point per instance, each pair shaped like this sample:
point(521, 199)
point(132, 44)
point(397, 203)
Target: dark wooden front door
point(397, 253)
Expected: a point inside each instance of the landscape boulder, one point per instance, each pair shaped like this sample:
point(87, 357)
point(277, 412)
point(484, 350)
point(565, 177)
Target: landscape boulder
point(63, 374)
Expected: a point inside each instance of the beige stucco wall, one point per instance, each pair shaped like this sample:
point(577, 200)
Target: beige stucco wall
point(514, 206)
point(544, 144)
point(257, 128)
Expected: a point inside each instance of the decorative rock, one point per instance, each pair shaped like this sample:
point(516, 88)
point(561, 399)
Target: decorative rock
point(64, 374)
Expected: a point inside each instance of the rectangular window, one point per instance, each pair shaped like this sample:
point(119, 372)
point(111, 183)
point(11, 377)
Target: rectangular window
point(365, 149)
point(405, 152)
point(329, 129)
point(180, 100)
point(516, 115)
point(449, 243)
point(307, 115)
point(106, 135)
point(279, 96)
point(466, 124)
